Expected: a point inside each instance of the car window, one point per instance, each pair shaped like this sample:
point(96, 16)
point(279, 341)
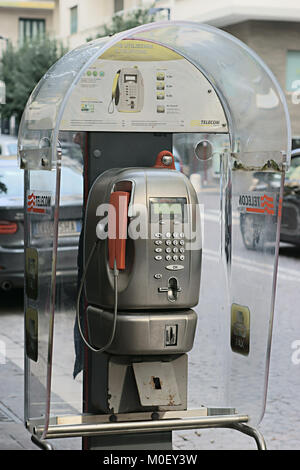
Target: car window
point(11, 182)
point(73, 150)
point(76, 152)
point(71, 182)
point(12, 149)
point(293, 172)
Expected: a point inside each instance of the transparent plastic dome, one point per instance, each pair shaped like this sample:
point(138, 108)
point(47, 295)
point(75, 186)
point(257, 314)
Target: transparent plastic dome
point(252, 99)
point(238, 283)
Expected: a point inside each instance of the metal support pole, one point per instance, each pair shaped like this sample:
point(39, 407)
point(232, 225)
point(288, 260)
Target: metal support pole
point(42, 444)
point(85, 430)
point(245, 429)
point(147, 424)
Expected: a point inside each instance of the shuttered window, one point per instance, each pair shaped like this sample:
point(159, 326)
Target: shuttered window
point(30, 28)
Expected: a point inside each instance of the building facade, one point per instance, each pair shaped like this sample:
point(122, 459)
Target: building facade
point(20, 20)
point(271, 29)
point(278, 44)
point(80, 20)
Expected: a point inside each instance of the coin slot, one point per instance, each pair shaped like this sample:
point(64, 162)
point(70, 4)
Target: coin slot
point(172, 289)
point(156, 383)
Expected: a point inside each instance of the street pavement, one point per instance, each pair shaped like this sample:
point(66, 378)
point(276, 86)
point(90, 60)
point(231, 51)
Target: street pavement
point(280, 425)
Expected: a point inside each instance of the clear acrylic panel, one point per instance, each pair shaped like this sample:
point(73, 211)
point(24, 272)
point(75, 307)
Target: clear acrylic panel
point(247, 88)
point(250, 95)
point(240, 211)
point(66, 391)
point(39, 201)
point(238, 176)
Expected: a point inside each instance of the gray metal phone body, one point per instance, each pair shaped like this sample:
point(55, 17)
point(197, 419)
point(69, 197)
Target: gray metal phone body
point(150, 281)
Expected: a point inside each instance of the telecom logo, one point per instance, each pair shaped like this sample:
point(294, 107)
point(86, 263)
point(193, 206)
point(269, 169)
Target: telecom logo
point(38, 202)
point(257, 203)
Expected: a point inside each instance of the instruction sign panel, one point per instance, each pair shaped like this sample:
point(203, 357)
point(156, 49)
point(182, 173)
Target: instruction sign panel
point(141, 86)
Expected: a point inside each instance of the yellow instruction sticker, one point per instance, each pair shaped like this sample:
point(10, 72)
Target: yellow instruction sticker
point(240, 329)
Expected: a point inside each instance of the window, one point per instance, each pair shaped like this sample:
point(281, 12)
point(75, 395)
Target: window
point(292, 70)
point(295, 143)
point(119, 5)
point(30, 28)
point(74, 20)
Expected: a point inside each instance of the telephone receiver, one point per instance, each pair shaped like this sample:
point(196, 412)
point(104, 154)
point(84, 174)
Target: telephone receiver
point(118, 216)
point(117, 228)
point(115, 96)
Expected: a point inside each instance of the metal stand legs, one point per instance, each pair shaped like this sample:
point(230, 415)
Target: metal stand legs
point(42, 444)
point(245, 429)
point(127, 428)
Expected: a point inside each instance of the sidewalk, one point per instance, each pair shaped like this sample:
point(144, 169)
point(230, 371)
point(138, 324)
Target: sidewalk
point(13, 435)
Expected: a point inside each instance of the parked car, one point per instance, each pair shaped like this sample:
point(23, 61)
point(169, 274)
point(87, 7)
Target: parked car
point(178, 162)
point(290, 223)
point(253, 233)
point(8, 145)
point(72, 150)
point(12, 225)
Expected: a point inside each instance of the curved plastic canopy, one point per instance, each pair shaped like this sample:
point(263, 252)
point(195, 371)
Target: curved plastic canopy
point(253, 102)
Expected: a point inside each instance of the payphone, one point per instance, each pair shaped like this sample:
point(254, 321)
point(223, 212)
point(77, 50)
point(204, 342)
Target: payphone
point(146, 221)
point(127, 91)
point(160, 352)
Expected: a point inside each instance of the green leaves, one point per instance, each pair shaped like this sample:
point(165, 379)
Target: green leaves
point(21, 69)
point(127, 20)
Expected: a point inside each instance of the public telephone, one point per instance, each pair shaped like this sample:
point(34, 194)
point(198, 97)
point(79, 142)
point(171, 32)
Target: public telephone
point(140, 293)
point(127, 91)
point(145, 223)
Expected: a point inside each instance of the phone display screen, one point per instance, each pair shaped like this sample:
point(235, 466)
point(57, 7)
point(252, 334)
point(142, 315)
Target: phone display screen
point(130, 78)
point(171, 208)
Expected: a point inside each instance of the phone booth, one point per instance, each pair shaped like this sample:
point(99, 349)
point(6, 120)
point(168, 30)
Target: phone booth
point(151, 246)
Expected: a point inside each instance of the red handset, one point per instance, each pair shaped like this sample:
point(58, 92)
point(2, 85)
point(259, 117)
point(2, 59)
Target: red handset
point(117, 228)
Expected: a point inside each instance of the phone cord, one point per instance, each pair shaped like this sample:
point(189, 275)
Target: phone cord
point(116, 273)
point(111, 107)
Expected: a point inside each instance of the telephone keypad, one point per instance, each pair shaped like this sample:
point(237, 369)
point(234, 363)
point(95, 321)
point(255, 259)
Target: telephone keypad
point(172, 251)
